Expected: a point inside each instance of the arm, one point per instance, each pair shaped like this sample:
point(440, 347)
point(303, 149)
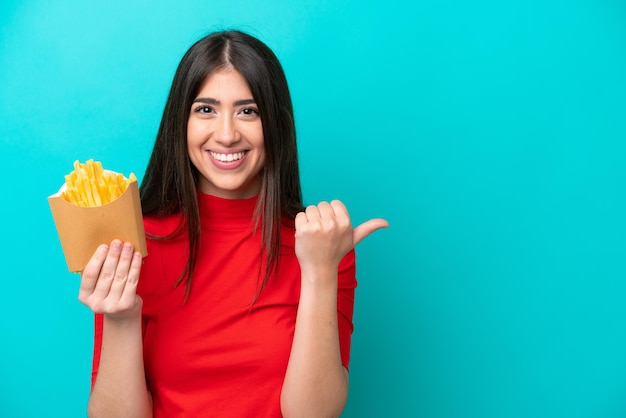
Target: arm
point(316, 383)
point(108, 286)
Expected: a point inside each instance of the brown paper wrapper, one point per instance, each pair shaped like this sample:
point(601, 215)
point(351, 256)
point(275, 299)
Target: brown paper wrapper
point(82, 229)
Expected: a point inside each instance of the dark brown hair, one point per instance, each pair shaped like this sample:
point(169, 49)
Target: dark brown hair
point(170, 182)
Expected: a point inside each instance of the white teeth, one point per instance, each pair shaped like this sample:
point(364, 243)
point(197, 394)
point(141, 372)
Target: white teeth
point(227, 158)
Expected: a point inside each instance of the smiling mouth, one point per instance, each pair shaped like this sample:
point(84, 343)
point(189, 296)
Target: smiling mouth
point(227, 158)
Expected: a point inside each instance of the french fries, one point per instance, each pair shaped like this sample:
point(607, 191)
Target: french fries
point(90, 185)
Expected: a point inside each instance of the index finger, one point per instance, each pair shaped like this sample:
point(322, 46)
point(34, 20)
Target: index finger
point(90, 273)
point(339, 208)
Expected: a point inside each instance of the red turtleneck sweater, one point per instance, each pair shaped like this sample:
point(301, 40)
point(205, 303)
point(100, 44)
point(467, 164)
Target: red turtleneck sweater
point(213, 355)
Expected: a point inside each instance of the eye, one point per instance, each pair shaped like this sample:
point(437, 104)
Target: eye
point(249, 112)
point(203, 109)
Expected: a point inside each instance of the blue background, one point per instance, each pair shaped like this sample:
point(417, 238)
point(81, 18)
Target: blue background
point(490, 134)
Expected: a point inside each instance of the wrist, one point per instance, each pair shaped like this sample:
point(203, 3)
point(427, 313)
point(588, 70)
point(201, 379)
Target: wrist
point(125, 318)
point(121, 323)
point(319, 277)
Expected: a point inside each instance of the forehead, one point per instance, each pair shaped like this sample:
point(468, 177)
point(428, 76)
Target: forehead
point(225, 83)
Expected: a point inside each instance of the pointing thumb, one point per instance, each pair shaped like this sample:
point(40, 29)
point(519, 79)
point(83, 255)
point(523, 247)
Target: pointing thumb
point(366, 228)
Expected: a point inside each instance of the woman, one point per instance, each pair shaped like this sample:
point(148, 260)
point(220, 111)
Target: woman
point(243, 306)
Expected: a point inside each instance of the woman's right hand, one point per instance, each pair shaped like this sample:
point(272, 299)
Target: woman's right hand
point(109, 281)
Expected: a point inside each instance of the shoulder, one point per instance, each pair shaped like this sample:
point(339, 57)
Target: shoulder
point(166, 240)
point(287, 234)
point(167, 244)
point(164, 263)
point(162, 225)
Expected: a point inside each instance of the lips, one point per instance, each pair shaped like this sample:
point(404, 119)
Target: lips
point(227, 160)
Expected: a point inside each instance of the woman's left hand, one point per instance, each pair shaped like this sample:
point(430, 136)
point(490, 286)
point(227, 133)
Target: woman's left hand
point(324, 234)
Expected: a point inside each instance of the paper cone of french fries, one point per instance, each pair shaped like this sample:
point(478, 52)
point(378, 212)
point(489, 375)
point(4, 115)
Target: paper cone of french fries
point(82, 229)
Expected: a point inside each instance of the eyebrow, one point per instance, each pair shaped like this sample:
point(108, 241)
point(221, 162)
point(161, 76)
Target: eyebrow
point(212, 101)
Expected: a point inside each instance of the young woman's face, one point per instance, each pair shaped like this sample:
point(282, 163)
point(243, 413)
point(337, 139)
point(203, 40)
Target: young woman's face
point(225, 137)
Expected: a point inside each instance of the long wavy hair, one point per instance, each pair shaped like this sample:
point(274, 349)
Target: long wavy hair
point(170, 183)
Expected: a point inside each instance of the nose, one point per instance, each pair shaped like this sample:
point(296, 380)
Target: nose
point(226, 131)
